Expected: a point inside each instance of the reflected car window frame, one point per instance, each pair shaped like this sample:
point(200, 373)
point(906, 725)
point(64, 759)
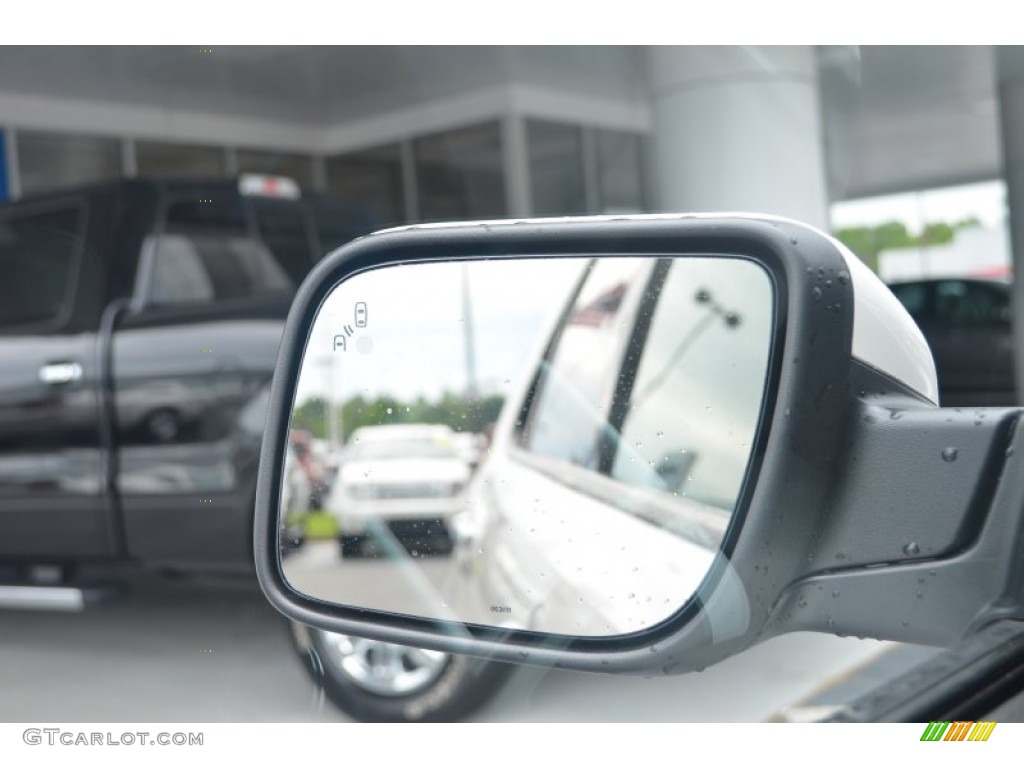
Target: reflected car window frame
point(640, 307)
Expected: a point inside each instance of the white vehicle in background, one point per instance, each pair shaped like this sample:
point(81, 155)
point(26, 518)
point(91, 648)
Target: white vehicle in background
point(398, 483)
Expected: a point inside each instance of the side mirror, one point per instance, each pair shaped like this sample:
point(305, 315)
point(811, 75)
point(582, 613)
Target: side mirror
point(709, 430)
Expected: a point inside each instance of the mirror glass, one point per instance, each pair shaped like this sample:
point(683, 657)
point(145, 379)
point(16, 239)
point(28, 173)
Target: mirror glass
point(552, 444)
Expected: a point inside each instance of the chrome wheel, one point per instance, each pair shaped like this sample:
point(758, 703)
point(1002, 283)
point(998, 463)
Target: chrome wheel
point(383, 668)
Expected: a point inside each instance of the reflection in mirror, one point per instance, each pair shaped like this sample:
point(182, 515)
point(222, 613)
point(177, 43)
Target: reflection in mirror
point(551, 444)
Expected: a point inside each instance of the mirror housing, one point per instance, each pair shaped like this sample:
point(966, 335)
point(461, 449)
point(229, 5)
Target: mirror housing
point(867, 510)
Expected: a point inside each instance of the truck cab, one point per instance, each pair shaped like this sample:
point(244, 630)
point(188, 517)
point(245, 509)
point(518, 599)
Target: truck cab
point(139, 327)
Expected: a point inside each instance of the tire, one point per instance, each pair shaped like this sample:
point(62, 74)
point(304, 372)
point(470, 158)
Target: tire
point(428, 687)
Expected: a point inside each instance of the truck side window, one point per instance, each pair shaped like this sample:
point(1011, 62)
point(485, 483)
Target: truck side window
point(282, 227)
point(37, 260)
point(961, 304)
point(207, 254)
point(569, 415)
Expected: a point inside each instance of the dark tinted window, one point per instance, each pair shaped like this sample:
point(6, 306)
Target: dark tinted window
point(159, 158)
point(56, 160)
point(570, 414)
point(207, 254)
point(965, 303)
point(37, 258)
point(370, 181)
point(913, 296)
point(556, 168)
point(282, 227)
point(460, 174)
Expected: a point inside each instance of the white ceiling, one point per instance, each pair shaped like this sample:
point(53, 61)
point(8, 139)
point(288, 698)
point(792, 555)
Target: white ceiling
point(896, 118)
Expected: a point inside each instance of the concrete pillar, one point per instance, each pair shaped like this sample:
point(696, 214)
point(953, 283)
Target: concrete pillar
point(1010, 86)
point(738, 128)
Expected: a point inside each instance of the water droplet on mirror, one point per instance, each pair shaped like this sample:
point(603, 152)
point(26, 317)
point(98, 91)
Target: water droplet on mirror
point(389, 411)
point(816, 293)
point(949, 454)
point(844, 277)
point(835, 593)
point(913, 548)
point(660, 433)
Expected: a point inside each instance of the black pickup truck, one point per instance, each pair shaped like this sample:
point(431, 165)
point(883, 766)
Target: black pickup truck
point(139, 327)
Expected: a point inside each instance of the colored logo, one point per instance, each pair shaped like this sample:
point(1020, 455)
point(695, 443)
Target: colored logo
point(958, 731)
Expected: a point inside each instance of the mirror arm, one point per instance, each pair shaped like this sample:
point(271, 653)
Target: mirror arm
point(926, 512)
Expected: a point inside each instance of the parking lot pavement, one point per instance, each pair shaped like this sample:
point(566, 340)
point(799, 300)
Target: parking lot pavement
point(215, 651)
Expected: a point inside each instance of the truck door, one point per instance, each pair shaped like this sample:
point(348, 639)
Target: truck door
point(53, 498)
point(189, 364)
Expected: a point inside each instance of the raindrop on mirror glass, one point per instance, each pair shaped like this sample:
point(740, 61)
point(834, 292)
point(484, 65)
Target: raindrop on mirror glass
point(835, 593)
point(389, 411)
point(816, 293)
point(949, 454)
point(844, 277)
point(913, 548)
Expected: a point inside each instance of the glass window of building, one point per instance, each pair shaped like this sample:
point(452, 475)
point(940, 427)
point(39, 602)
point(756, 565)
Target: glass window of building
point(370, 182)
point(557, 183)
point(48, 161)
point(291, 164)
point(159, 158)
point(619, 171)
point(460, 174)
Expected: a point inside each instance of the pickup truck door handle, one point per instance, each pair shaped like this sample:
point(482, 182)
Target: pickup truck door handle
point(60, 373)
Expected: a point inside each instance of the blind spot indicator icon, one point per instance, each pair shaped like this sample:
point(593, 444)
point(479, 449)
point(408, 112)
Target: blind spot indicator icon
point(360, 314)
point(339, 343)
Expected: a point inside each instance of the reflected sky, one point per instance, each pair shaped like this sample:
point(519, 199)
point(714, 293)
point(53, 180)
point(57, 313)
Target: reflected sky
point(415, 321)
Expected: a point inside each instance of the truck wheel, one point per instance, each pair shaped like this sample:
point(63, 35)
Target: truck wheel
point(372, 681)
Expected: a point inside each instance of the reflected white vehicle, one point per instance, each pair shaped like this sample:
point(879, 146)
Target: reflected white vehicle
point(601, 506)
point(398, 482)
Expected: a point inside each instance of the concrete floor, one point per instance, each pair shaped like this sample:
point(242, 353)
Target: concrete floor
point(215, 651)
